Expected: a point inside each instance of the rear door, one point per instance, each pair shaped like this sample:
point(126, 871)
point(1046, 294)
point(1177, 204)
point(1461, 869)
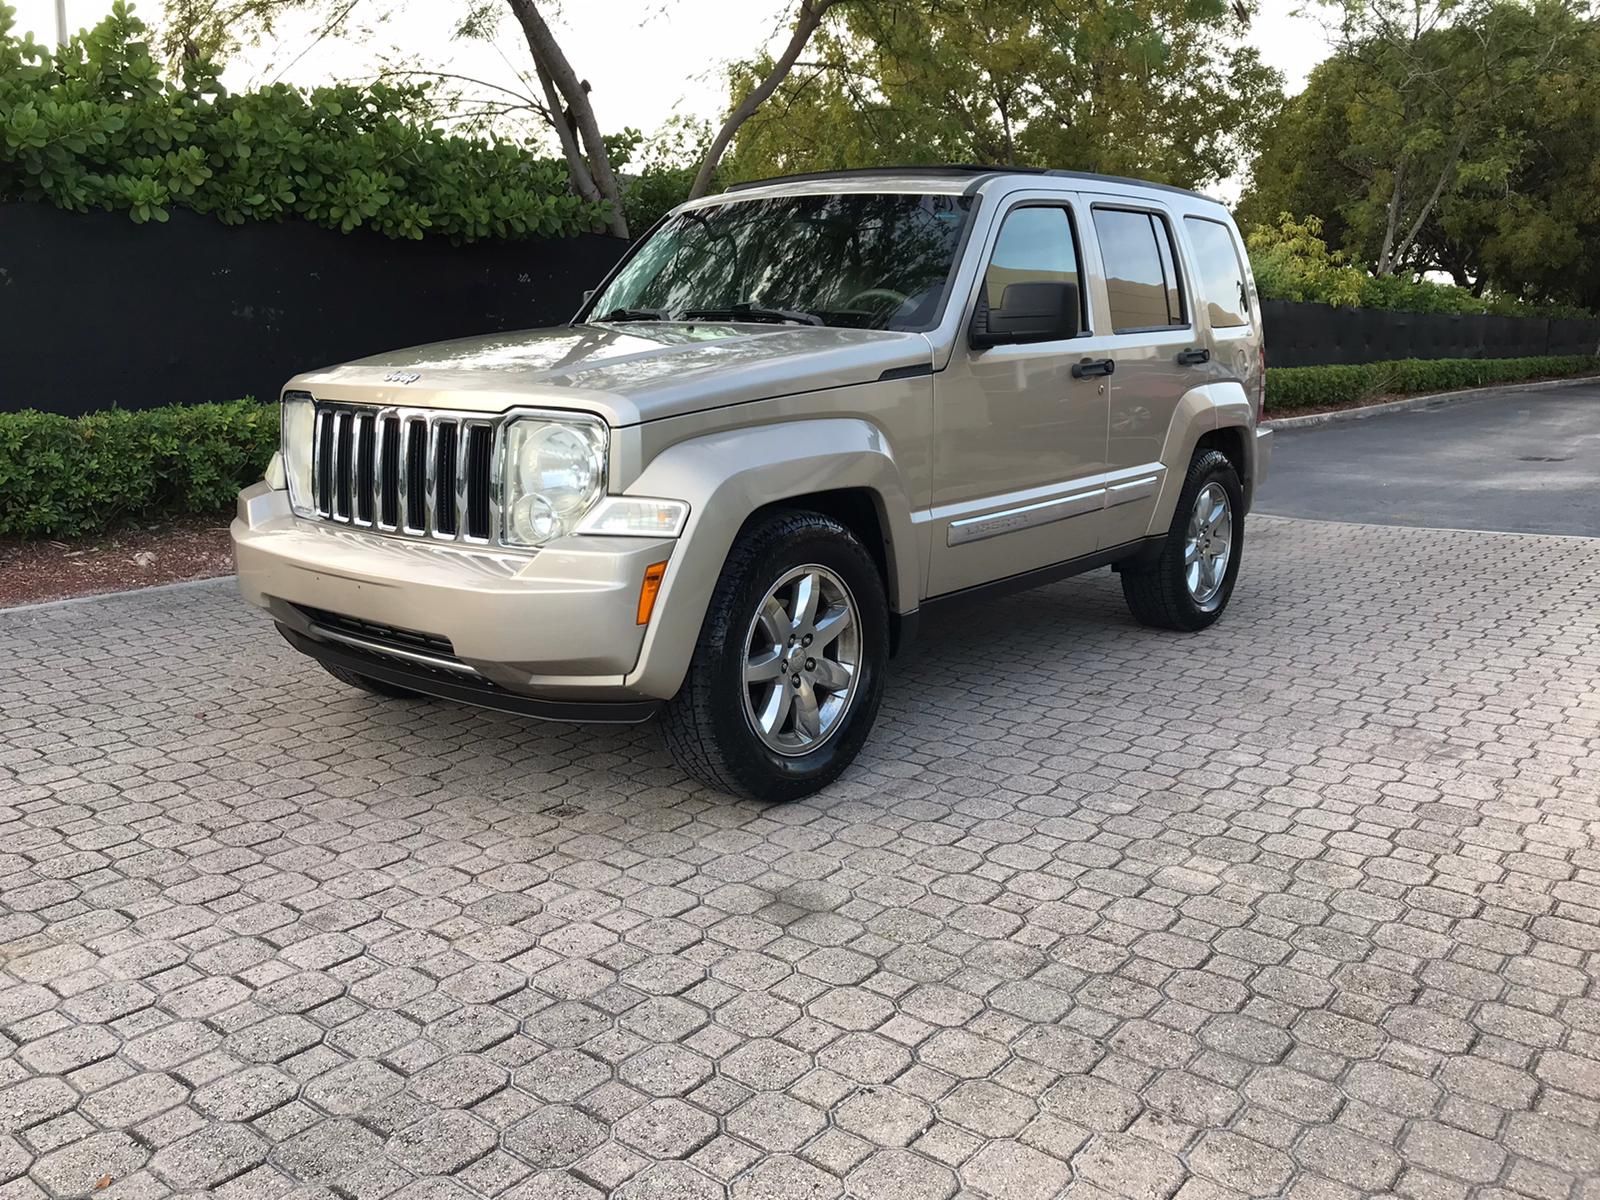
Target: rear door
point(1156, 348)
point(1019, 441)
point(1222, 293)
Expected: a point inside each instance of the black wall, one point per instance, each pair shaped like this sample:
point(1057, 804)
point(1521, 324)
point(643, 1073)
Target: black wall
point(97, 312)
point(1307, 335)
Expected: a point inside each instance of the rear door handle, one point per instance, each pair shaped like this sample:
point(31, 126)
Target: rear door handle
point(1090, 367)
point(1194, 357)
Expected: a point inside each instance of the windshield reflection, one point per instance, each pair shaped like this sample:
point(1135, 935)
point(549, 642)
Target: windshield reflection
point(867, 261)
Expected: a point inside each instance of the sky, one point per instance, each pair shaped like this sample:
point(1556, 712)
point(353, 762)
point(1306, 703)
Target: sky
point(644, 64)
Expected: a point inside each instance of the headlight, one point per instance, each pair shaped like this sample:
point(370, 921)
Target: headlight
point(298, 423)
point(554, 473)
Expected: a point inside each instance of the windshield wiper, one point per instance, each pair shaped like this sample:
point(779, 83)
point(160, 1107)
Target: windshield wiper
point(635, 314)
point(751, 312)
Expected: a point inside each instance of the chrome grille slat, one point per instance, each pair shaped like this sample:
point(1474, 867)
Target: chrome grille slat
point(418, 472)
point(430, 497)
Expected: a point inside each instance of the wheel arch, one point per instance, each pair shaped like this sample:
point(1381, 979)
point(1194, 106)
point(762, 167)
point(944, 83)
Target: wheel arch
point(1214, 415)
point(841, 467)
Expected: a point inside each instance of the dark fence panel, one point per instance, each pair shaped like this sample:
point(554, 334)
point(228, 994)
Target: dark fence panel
point(1308, 335)
point(97, 312)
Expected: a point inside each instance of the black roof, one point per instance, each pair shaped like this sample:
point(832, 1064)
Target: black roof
point(979, 171)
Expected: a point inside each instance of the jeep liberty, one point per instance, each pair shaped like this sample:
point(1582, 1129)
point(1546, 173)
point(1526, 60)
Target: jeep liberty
point(794, 418)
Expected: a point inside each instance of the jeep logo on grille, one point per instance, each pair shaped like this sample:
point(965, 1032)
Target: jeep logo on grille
point(401, 377)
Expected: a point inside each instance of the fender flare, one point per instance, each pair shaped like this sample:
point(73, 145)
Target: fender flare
point(727, 476)
point(1202, 410)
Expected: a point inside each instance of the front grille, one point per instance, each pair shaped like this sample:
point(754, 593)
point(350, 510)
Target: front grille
point(412, 471)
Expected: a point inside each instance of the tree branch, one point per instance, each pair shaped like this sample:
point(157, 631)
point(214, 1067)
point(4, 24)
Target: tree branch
point(811, 14)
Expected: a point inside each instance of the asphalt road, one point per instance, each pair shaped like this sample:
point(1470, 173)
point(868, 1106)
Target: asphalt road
point(1521, 462)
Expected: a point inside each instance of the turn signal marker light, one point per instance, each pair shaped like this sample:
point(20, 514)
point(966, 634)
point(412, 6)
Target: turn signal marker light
point(649, 590)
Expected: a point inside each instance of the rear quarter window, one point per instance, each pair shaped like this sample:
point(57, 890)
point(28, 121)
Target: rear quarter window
point(1220, 274)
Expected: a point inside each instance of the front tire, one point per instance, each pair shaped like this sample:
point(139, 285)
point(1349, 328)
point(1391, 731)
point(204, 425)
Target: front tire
point(788, 673)
point(1188, 585)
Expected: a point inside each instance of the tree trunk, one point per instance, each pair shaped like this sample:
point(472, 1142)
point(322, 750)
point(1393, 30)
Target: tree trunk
point(548, 57)
point(581, 179)
point(1386, 255)
point(1438, 190)
point(811, 14)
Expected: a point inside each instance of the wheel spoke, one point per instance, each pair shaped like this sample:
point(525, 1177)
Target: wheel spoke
point(774, 622)
point(1223, 533)
point(774, 709)
point(1191, 551)
point(807, 595)
point(768, 665)
point(807, 718)
point(831, 676)
point(834, 622)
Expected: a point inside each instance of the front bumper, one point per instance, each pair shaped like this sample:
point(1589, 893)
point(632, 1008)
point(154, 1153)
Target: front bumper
point(559, 625)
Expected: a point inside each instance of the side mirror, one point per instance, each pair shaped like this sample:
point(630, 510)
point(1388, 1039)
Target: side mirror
point(1045, 311)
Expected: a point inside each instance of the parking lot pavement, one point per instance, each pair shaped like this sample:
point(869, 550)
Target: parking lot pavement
point(1523, 461)
point(1308, 904)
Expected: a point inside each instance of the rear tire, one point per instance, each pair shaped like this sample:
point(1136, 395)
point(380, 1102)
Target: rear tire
point(375, 687)
point(788, 673)
point(1188, 585)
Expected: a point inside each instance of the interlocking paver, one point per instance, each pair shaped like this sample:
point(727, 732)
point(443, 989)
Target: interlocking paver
point(1306, 906)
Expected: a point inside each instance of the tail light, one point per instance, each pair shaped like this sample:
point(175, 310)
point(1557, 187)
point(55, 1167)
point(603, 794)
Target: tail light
point(1261, 387)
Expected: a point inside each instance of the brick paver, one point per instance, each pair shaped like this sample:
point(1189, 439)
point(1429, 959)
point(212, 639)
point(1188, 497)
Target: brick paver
point(1307, 905)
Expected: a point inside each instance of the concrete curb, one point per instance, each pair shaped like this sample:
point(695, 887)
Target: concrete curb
point(98, 596)
point(1411, 403)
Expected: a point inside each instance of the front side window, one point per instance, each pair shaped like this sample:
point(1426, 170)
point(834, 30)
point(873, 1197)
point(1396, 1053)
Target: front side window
point(1036, 245)
point(1218, 276)
point(1141, 272)
point(864, 260)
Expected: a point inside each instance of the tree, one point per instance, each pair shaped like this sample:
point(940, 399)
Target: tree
point(1156, 88)
point(560, 101)
point(1440, 135)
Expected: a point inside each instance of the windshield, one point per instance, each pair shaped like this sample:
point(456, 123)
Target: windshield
point(870, 261)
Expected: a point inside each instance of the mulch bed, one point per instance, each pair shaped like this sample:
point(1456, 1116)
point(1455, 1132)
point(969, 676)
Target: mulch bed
point(132, 557)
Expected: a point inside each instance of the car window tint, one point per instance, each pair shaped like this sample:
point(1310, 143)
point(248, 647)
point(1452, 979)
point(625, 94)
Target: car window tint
point(1141, 279)
point(1035, 246)
point(1219, 277)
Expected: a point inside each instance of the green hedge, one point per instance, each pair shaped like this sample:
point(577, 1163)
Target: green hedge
point(96, 125)
point(1289, 388)
point(61, 476)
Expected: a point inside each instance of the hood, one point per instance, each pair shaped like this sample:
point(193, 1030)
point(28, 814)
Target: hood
point(625, 373)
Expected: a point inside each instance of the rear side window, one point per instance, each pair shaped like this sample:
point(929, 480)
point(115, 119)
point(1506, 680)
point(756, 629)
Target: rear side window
point(1036, 245)
point(1220, 281)
point(1141, 272)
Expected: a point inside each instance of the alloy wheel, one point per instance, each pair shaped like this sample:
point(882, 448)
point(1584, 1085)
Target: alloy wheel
point(802, 660)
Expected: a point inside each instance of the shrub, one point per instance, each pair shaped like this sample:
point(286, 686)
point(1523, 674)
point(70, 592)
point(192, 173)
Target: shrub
point(61, 476)
point(1289, 388)
point(94, 125)
point(1291, 262)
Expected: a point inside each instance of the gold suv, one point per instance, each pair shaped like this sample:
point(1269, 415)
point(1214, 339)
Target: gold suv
point(795, 417)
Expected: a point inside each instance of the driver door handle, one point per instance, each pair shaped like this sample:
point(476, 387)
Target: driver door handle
point(1193, 357)
point(1091, 367)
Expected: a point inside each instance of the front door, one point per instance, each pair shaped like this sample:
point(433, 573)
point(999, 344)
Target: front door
point(1019, 442)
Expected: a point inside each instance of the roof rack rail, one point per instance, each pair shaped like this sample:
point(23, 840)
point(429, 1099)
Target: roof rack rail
point(975, 169)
